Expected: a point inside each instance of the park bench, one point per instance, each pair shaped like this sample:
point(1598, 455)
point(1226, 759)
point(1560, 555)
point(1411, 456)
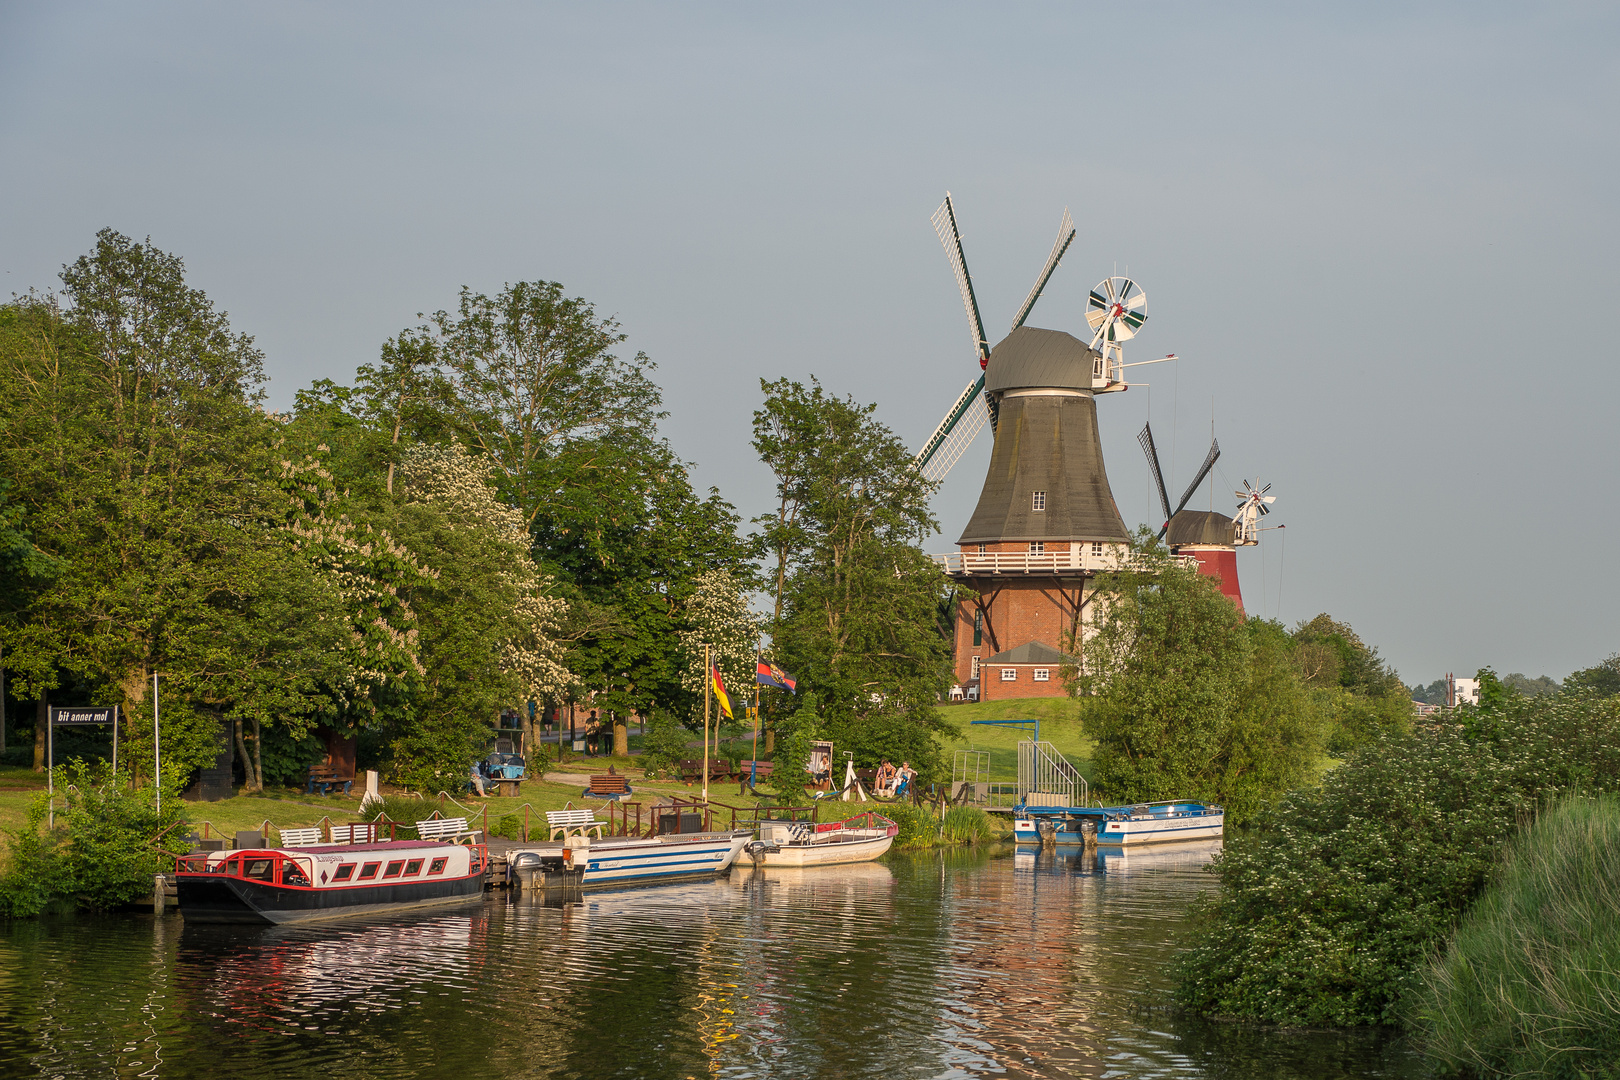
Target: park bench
point(450, 828)
point(325, 777)
point(752, 772)
point(573, 821)
point(692, 769)
point(354, 834)
point(608, 786)
point(300, 837)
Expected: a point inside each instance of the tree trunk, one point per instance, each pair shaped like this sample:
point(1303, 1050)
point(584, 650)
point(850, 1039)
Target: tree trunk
point(242, 752)
point(770, 741)
point(42, 717)
point(258, 756)
point(621, 735)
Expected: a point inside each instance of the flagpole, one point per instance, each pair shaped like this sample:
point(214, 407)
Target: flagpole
point(708, 685)
point(759, 656)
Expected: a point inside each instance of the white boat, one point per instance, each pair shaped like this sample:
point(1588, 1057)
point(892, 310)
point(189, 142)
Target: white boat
point(633, 860)
point(803, 843)
point(1143, 823)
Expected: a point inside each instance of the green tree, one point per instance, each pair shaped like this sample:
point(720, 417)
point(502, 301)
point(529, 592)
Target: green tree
point(1602, 679)
point(859, 603)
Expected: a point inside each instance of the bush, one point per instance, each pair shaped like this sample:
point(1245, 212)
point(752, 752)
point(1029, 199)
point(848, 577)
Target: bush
point(1331, 905)
point(30, 868)
point(665, 742)
point(919, 828)
point(407, 810)
point(967, 825)
point(1529, 984)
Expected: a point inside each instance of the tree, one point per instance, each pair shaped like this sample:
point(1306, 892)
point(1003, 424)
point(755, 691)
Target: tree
point(1187, 700)
point(1602, 678)
point(859, 607)
point(717, 613)
point(1357, 695)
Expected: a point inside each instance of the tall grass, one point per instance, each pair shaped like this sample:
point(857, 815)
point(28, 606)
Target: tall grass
point(967, 825)
point(1530, 984)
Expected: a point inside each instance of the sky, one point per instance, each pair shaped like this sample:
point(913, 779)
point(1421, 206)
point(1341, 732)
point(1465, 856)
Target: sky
point(1381, 238)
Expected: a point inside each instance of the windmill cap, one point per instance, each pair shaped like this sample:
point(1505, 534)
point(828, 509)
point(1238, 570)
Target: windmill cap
point(1200, 528)
point(1030, 357)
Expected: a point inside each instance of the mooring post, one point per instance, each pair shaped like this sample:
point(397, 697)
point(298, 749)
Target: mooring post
point(160, 885)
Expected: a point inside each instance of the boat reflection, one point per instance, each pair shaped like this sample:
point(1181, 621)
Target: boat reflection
point(1067, 859)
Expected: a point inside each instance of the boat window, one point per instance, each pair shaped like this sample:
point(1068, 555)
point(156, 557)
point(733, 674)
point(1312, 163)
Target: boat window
point(344, 872)
point(258, 869)
point(413, 867)
point(437, 865)
point(293, 874)
point(233, 866)
point(394, 868)
point(369, 870)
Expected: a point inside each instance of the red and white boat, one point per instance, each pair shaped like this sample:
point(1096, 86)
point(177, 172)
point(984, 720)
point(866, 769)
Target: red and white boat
point(328, 881)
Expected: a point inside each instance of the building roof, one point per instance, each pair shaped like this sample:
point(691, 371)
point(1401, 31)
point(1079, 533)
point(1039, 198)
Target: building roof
point(1047, 444)
point(1200, 528)
point(1031, 357)
point(1031, 653)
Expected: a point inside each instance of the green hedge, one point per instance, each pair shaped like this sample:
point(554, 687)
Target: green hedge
point(1329, 907)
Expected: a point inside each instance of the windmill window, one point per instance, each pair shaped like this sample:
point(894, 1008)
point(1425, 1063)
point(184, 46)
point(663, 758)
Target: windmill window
point(1043, 674)
point(975, 667)
point(978, 627)
point(981, 549)
point(1037, 547)
point(1096, 549)
point(1040, 500)
point(1009, 674)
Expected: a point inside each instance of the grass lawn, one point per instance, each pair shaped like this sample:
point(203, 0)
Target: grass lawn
point(1060, 726)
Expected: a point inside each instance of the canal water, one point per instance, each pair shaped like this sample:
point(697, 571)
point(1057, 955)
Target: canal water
point(1002, 962)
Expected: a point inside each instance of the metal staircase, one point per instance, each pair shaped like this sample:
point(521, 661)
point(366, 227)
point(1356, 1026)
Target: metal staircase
point(1045, 777)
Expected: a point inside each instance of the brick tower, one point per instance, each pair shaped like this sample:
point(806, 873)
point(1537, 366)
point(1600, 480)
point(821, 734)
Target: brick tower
point(1045, 524)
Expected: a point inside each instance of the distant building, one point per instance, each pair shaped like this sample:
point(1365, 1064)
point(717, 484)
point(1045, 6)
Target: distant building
point(1461, 691)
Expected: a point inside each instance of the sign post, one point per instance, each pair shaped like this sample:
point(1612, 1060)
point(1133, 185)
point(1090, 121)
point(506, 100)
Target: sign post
point(73, 716)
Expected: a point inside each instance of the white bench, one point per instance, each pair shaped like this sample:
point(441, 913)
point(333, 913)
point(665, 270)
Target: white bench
point(567, 821)
point(354, 834)
point(450, 828)
point(300, 837)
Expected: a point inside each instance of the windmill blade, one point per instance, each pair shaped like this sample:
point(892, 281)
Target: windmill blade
point(1065, 237)
point(944, 220)
point(1203, 471)
point(954, 433)
point(1145, 437)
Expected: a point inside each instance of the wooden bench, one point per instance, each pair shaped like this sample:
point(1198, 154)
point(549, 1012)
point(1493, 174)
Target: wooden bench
point(354, 834)
point(608, 786)
point(450, 828)
point(573, 821)
point(752, 772)
point(325, 777)
point(719, 769)
point(300, 837)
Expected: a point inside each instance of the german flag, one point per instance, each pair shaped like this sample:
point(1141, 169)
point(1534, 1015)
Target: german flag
point(720, 692)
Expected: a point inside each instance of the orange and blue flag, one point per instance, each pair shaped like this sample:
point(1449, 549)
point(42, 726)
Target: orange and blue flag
point(720, 692)
point(771, 675)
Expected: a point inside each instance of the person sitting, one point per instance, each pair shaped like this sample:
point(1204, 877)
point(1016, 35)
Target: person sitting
point(883, 782)
point(476, 778)
point(902, 779)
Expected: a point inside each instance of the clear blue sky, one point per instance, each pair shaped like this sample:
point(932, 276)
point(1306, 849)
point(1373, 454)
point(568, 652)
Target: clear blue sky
point(1382, 237)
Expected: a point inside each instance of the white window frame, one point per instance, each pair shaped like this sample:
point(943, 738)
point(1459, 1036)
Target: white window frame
point(1043, 674)
point(975, 674)
point(1009, 674)
point(1037, 547)
point(1039, 500)
point(1096, 549)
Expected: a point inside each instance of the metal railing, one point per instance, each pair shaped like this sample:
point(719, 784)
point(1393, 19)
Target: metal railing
point(1051, 562)
point(1045, 777)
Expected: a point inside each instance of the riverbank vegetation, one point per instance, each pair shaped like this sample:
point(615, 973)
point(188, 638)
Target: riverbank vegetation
point(1529, 985)
point(1333, 900)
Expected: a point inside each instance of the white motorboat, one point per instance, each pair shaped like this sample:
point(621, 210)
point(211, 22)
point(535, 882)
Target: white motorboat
point(633, 860)
point(804, 843)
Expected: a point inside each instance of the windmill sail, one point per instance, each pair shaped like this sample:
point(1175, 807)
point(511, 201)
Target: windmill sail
point(1203, 471)
point(944, 220)
point(954, 433)
point(1145, 437)
point(1065, 237)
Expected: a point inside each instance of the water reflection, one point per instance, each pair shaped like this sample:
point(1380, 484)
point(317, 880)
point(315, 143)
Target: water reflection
point(963, 963)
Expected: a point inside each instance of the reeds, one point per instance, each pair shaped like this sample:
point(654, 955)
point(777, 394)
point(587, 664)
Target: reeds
point(1530, 982)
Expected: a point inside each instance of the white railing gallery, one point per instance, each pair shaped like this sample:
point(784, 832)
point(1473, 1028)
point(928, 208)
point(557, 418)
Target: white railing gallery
point(1036, 562)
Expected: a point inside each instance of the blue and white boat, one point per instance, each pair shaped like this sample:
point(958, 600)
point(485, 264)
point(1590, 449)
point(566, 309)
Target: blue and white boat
point(617, 861)
point(1143, 823)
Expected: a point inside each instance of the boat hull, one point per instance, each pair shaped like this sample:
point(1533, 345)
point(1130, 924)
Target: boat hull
point(232, 900)
point(825, 854)
point(621, 861)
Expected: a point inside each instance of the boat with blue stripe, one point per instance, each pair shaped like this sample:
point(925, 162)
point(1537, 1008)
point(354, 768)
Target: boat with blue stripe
point(616, 861)
point(1171, 821)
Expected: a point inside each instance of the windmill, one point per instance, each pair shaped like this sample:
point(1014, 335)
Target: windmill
point(1115, 310)
point(1253, 504)
point(974, 405)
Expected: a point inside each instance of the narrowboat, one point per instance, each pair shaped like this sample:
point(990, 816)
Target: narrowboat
point(1143, 823)
point(804, 843)
point(289, 885)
